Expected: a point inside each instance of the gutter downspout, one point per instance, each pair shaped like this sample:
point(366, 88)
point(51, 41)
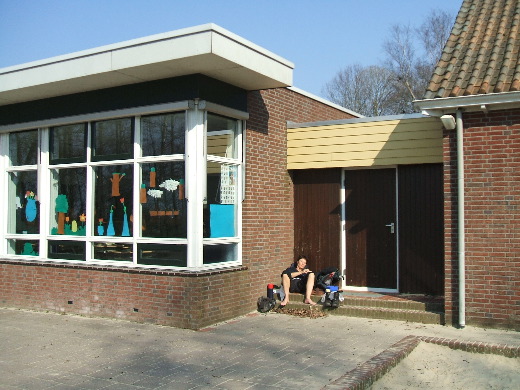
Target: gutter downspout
point(461, 220)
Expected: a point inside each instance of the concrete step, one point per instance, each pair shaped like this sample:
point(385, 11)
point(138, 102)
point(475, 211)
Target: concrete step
point(394, 307)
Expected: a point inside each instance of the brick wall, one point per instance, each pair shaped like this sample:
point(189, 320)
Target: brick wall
point(492, 208)
point(190, 300)
point(268, 220)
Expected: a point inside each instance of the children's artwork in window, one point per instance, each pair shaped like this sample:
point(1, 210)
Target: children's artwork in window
point(113, 200)
point(23, 206)
point(163, 206)
point(68, 194)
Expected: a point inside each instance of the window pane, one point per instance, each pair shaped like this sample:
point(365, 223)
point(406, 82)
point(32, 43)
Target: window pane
point(23, 207)
point(23, 147)
point(113, 139)
point(166, 255)
point(222, 133)
point(67, 250)
point(68, 201)
point(163, 134)
point(112, 251)
point(220, 253)
point(113, 203)
point(163, 205)
point(222, 201)
point(23, 247)
point(68, 144)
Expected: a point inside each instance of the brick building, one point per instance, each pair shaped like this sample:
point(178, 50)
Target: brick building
point(476, 86)
point(147, 180)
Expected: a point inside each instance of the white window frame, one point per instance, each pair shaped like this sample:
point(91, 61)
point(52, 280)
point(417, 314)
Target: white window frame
point(195, 159)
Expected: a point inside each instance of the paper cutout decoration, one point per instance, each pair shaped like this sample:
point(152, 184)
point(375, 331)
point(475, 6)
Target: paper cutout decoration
point(222, 220)
point(62, 207)
point(116, 178)
point(110, 228)
point(126, 228)
point(101, 228)
point(28, 250)
point(30, 208)
point(152, 177)
point(142, 194)
point(181, 189)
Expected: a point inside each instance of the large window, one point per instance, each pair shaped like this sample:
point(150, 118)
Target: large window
point(151, 190)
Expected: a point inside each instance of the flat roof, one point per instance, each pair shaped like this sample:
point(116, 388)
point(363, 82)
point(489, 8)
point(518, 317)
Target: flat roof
point(207, 49)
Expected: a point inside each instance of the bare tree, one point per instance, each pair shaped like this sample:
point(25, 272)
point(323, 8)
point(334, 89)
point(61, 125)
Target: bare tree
point(412, 72)
point(365, 90)
point(434, 33)
point(411, 56)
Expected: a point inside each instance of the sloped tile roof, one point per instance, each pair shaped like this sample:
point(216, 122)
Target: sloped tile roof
point(481, 55)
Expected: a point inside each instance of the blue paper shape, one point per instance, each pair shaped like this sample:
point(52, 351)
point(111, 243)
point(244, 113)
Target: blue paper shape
point(222, 220)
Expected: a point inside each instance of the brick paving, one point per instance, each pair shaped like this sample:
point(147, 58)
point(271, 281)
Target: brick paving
point(258, 351)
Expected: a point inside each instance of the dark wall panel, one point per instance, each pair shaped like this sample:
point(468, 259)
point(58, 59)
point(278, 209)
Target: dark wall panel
point(317, 216)
point(127, 96)
point(421, 229)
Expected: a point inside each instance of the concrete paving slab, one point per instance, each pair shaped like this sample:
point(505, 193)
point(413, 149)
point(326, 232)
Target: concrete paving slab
point(258, 351)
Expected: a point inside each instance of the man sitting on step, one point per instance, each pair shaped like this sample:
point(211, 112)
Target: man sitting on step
point(299, 279)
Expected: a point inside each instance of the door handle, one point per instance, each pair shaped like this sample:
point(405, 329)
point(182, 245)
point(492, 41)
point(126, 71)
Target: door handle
point(392, 227)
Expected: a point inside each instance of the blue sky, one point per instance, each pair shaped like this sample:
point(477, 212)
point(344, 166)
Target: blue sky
point(319, 36)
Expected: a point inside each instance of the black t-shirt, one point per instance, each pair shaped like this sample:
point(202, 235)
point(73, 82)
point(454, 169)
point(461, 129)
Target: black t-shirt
point(292, 269)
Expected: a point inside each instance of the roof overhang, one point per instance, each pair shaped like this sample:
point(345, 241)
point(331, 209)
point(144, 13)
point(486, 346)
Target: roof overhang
point(472, 103)
point(206, 49)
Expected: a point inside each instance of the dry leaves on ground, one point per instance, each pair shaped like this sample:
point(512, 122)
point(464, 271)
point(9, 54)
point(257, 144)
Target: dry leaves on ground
point(303, 312)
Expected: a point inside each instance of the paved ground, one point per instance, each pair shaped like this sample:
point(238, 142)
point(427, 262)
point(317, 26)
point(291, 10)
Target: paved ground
point(259, 351)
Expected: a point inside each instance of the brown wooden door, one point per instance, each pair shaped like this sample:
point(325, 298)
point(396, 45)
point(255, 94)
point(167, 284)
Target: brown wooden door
point(371, 227)
point(317, 216)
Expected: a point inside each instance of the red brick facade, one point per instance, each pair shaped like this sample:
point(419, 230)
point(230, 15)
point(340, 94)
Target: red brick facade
point(492, 210)
point(189, 299)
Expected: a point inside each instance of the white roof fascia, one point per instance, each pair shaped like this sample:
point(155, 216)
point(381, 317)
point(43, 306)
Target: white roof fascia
point(207, 49)
point(484, 102)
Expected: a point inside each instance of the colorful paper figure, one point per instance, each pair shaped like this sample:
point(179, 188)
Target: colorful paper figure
point(142, 193)
point(116, 178)
point(74, 227)
point(110, 227)
point(181, 189)
point(152, 177)
point(62, 207)
point(101, 228)
point(126, 228)
point(28, 250)
point(30, 208)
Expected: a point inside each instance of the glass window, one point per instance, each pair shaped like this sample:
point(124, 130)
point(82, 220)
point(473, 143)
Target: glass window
point(113, 200)
point(112, 251)
point(220, 253)
point(163, 134)
point(23, 147)
point(222, 133)
point(220, 211)
point(112, 139)
point(106, 182)
point(165, 255)
point(68, 201)
point(67, 250)
point(23, 208)
point(163, 202)
point(68, 144)
point(23, 247)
